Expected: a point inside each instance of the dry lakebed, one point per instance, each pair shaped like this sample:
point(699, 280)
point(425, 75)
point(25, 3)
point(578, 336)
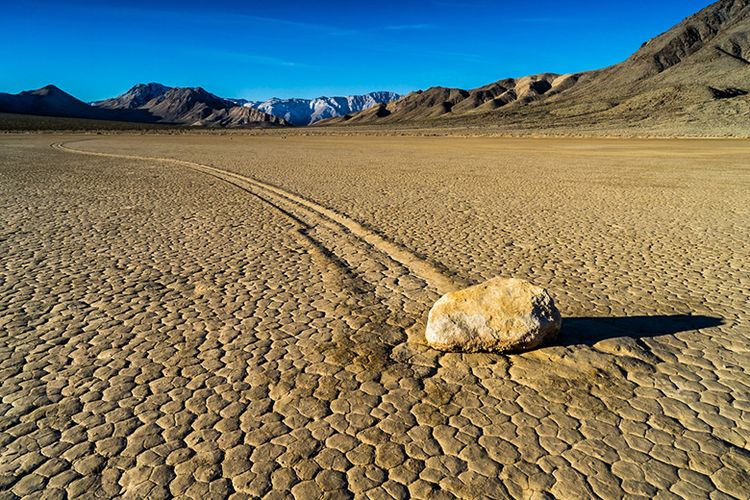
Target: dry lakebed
point(243, 316)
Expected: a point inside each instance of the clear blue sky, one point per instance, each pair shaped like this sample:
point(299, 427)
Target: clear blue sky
point(257, 49)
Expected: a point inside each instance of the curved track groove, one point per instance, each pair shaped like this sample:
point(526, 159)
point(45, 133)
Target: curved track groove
point(276, 196)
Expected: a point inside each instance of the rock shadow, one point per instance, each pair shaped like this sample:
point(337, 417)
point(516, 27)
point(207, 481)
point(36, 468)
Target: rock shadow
point(590, 330)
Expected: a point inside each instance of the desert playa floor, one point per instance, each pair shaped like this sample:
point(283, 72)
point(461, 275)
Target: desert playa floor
point(244, 317)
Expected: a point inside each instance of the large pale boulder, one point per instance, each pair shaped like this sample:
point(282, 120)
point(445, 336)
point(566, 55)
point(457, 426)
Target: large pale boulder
point(499, 315)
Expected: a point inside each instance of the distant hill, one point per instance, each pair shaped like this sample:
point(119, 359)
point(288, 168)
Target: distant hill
point(307, 111)
point(698, 71)
point(51, 101)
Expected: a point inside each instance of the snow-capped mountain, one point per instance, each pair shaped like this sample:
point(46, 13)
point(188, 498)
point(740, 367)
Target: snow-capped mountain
point(242, 102)
point(308, 111)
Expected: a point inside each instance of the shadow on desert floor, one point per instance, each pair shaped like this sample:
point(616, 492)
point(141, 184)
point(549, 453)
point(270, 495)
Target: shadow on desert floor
point(590, 330)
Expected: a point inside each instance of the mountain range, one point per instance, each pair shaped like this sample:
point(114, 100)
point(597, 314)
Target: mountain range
point(698, 71)
point(191, 106)
point(696, 75)
point(157, 103)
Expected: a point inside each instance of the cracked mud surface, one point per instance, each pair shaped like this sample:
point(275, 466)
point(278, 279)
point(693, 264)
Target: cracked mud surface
point(248, 321)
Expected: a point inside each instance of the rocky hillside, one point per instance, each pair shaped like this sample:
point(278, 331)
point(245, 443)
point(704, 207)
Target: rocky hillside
point(239, 117)
point(698, 71)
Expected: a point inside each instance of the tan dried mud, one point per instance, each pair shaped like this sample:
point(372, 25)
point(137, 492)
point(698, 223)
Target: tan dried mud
point(243, 316)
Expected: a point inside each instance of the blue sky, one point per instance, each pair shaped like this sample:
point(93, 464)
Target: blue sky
point(258, 50)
